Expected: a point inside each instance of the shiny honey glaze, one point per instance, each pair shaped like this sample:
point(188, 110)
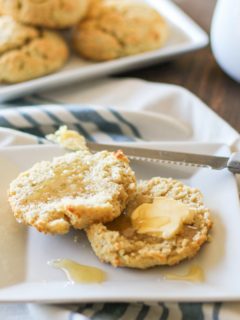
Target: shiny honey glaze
point(195, 274)
point(162, 218)
point(122, 224)
point(78, 273)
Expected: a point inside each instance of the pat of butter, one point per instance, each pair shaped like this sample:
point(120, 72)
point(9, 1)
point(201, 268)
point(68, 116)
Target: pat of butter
point(69, 139)
point(163, 218)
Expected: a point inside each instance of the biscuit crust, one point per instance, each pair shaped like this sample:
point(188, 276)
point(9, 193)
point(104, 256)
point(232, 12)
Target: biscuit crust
point(76, 189)
point(130, 249)
point(14, 34)
point(27, 53)
point(45, 13)
point(114, 29)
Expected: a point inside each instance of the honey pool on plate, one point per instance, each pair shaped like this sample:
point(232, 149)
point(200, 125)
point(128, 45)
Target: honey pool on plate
point(79, 273)
point(194, 274)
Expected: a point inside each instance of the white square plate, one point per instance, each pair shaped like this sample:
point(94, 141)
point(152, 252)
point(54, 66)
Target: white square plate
point(185, 35)
point(25, 275)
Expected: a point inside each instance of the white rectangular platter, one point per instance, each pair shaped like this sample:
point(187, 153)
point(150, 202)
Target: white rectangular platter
point(24, 252)
point(185, 35)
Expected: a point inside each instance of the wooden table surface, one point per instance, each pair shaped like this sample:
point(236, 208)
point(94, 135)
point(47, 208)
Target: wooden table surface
point(198, 71)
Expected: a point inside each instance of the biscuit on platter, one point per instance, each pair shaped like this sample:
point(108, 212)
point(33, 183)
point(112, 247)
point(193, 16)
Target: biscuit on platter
point(118, 28)
point(13, 34)
point(45, 13)
point(27, 53)
point(121, 244)
point(76, 189)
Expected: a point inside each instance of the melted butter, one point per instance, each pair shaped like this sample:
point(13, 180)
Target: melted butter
point(69, 139)
point(163, 218)
point(123, 225)
point(78, 273)
point(194, 274)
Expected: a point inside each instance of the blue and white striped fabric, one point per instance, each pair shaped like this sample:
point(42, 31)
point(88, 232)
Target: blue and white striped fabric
point(98, 124)
point(108, 125)
point(137, 311)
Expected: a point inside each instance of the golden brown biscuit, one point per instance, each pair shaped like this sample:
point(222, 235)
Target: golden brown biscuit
point(45, 13)
point(113, 29)
point(13, 34)
point(27, 53)
point(76, 189)
point(118, 243)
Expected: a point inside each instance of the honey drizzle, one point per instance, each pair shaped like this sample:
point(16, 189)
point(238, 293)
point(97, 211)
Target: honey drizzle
point(78, 273)
point(195, 274)
point(123, 225)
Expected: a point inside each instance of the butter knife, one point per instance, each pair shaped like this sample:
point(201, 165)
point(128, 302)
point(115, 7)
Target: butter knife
point(232, 163)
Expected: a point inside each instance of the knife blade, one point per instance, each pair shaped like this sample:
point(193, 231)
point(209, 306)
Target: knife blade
point(172, 157)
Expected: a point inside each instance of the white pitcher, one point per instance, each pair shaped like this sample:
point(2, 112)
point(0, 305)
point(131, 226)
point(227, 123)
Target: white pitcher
point(225, 36)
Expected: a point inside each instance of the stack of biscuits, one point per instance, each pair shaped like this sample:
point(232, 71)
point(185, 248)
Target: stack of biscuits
point(31, 44)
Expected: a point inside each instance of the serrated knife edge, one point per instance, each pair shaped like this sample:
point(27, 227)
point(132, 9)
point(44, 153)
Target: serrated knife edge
point(164, 156)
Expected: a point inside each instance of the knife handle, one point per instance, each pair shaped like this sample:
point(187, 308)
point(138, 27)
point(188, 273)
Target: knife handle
point(234, 162)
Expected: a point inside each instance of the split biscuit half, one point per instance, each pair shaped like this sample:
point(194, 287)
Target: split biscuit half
point(119, 244)
point(77, 189)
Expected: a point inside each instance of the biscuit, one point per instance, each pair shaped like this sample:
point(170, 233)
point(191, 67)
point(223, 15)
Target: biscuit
point(119, 244)
point(114, 29)
point(77, 189)
point(27, 53)
point(13, 34)
point(45, 13)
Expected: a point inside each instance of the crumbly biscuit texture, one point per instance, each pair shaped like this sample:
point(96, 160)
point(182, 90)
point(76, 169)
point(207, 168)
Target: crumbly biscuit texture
point(127, 248)
point(45, 13)
point(27, 53)
point(117, 28)
point(76, 189)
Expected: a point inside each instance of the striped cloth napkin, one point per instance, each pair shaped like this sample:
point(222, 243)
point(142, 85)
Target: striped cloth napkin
point(128, 122)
